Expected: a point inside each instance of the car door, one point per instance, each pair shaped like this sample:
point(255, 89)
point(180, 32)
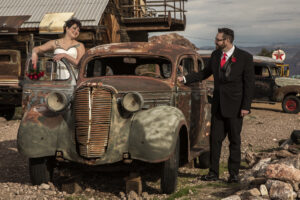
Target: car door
point(184, 66)
point(263, 82)
point(200, 109)
point(192, 98)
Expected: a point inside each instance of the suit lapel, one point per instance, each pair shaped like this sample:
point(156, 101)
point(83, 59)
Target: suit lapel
point(218, 62)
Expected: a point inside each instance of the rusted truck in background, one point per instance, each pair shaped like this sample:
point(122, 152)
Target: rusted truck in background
point(126, 106)
point(270, 87)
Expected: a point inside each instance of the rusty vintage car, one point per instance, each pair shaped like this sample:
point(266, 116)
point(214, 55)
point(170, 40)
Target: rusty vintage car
point(270, 87)
point(125, 106)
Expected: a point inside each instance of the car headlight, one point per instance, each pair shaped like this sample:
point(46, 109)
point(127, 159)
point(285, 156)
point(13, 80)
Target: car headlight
point(56, 101)
point(132, 101)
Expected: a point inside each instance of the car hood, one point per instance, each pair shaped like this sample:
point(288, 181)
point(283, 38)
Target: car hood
point(133, 83)
point(285, 81)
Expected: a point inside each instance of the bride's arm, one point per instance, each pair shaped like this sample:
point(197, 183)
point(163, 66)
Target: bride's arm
point(50, 45)
point(74, 61)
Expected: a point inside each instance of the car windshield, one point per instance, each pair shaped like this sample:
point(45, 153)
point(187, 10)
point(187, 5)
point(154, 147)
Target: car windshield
point(47, 70)
point(275, 71)
point(157, 67)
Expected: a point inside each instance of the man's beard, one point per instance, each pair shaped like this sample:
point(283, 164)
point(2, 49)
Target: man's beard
point(220, 47)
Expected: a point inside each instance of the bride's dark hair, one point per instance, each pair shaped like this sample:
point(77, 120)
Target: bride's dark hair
point(70, 23)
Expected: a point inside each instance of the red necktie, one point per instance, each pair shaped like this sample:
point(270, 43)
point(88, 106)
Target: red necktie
point(223, 61)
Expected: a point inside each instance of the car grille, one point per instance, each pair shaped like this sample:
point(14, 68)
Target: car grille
point(92, 115)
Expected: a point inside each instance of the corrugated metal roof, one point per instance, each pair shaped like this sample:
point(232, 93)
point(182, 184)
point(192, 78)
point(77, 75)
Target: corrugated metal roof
point(89, 12)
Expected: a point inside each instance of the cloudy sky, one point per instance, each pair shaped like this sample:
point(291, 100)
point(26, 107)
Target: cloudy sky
point(255, 22)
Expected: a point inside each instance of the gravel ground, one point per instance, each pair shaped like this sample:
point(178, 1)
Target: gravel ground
point(262, 130)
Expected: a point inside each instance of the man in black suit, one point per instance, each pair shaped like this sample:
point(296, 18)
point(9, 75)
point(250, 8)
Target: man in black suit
point(233, 73)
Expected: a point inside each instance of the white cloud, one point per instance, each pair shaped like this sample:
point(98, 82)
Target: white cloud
point(254, 22)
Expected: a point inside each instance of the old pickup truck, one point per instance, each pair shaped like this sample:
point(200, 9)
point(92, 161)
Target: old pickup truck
point(10, 77)
point(125, 106)
point(271, 88)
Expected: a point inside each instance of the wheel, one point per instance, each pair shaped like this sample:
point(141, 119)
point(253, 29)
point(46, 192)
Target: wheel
point(291, 104)
point(169, 174)
point(41, 170)
point(202, 161)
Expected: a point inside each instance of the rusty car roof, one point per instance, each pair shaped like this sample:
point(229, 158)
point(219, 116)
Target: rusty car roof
point(148, 48)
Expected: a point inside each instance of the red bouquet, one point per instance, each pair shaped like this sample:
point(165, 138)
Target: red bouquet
point(34, 74)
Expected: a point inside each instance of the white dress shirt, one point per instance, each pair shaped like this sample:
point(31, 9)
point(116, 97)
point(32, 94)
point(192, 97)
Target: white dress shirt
point(229, 53)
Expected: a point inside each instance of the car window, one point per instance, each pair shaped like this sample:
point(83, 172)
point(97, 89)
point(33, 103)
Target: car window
point(185, 67)
point(200, 64)
point(205, 60)
point(156, 67)
point(261, 71)
point(47, 70)
point(275, 71)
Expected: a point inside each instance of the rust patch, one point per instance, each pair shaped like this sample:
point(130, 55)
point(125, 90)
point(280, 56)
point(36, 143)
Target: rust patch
point(41, 116)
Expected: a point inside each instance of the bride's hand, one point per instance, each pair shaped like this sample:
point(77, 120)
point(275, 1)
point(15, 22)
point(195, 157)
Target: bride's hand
point(59, 56)
point(34, 59)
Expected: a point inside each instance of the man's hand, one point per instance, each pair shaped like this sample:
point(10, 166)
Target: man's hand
point(244, 113)
point(180, 79)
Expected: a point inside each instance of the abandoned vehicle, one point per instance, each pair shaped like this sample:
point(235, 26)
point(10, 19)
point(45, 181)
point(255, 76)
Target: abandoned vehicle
point(125, 106)
point(270, 87)
point(25, 24)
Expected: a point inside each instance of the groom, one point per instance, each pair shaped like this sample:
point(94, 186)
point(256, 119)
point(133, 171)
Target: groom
point(233, 73)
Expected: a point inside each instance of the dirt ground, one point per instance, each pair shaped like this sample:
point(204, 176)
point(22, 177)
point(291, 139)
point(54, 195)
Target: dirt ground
point(262, 130)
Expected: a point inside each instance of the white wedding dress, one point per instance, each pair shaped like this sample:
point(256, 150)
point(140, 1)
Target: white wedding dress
point(62, 70)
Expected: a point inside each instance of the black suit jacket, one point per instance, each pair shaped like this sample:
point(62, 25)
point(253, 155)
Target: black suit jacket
point(233, 84)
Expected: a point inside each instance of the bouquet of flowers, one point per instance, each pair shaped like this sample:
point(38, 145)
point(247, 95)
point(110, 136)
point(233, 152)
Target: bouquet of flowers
point(34, 74)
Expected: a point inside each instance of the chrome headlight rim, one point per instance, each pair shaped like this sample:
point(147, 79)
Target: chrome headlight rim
point(132, 102)
point(56, 101)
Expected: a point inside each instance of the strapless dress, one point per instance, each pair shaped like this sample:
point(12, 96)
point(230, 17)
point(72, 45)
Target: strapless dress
point(63, 72)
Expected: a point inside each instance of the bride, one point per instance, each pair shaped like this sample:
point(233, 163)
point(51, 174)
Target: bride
point(66, 47)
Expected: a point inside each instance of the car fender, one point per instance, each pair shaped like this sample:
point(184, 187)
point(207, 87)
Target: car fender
point(38, 132)
point(281, 92)
point(154, 133)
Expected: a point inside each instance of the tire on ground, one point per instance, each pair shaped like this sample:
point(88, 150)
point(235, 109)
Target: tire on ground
point(291, 104)
point(170, 171)
point(41, 170)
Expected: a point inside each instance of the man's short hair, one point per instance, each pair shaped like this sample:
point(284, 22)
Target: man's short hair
point(228, 33)
point(70, 23)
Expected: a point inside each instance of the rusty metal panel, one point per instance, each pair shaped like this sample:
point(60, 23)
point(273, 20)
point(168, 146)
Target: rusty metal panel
point(93, 115)
point(89, 12)
point(54, 22)
point(9, 25)
point(10, 65)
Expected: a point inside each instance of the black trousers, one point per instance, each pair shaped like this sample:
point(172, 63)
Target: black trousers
point(220, 127)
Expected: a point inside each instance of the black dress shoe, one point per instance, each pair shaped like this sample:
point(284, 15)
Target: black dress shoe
point(233, 178)
point(209, 177)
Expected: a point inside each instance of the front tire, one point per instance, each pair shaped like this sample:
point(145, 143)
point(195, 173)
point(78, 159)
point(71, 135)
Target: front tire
point(169, 175)
point(291, 104)
point(41, 170)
